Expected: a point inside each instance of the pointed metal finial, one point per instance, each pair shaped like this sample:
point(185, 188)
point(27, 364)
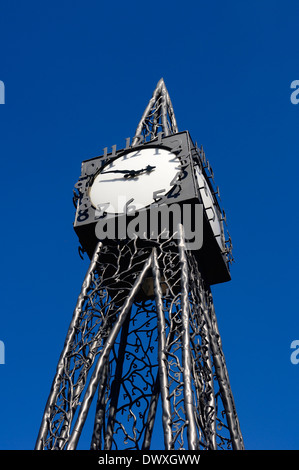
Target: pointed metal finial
point(157, 117)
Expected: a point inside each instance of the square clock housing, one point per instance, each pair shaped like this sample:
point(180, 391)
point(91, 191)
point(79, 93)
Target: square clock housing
point(161, 172)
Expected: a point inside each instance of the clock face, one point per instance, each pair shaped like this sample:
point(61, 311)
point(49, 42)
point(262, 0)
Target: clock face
point(208, 202)
point(134, 180)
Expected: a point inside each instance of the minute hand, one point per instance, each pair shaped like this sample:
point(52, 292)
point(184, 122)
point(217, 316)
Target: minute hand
point(131, 173)
point(117, 171)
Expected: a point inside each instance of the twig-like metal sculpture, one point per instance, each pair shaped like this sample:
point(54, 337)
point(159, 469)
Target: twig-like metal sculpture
point(143, 337)
point(157, 117)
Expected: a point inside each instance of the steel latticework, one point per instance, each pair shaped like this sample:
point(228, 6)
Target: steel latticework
point(144, 344)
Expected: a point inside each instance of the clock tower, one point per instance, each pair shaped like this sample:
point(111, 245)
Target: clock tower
point(143, 342)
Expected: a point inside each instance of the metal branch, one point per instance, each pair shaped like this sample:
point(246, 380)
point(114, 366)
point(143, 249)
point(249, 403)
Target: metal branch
point(73, 441)
point(62, 367)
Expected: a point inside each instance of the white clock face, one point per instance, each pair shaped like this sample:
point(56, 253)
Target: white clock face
point(133, 179)
point(208, 202)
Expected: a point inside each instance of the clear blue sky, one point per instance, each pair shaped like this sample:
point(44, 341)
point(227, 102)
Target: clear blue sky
point(77, 77)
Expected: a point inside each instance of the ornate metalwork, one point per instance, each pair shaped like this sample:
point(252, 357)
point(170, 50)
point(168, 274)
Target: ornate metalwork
point(144, 340)
point(166, 343)
point(157, 117)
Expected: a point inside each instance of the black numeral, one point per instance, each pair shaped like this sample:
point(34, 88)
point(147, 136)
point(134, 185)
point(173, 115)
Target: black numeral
point(82, 215)
point(100, 211)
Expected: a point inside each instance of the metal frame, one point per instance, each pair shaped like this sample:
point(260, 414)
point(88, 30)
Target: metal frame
point(157, 117)
point(166, 345)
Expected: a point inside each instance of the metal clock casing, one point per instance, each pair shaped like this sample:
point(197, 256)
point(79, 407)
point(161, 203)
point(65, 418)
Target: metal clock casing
point(186, 186)
point(182, 185)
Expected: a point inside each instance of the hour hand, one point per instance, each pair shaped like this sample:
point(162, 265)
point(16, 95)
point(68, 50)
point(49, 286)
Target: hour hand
point(133, 173)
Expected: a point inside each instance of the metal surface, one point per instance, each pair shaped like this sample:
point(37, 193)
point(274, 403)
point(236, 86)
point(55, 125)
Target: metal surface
point(104, 357)
point(59, 409)
point(157, 117)
point(144, 336)
point(168, 346)
point(162, 357)
point(186, 350)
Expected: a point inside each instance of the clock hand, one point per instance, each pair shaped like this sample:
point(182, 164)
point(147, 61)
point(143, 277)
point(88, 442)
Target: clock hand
point(117, 171)
point(133, 173)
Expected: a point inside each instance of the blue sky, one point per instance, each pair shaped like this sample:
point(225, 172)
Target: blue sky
point(77, 78)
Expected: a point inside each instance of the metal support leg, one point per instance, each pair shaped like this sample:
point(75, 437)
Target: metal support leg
point(151, 415)
point(62, 364)
point(163, 373)
point(223, 379)
point(115, 387)
point(186, 352)
point(74, 438)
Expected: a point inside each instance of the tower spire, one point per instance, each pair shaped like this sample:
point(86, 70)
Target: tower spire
point(158, 116)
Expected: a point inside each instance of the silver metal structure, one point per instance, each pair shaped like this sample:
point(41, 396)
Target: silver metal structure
point(144, 343)
point(158, 116)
